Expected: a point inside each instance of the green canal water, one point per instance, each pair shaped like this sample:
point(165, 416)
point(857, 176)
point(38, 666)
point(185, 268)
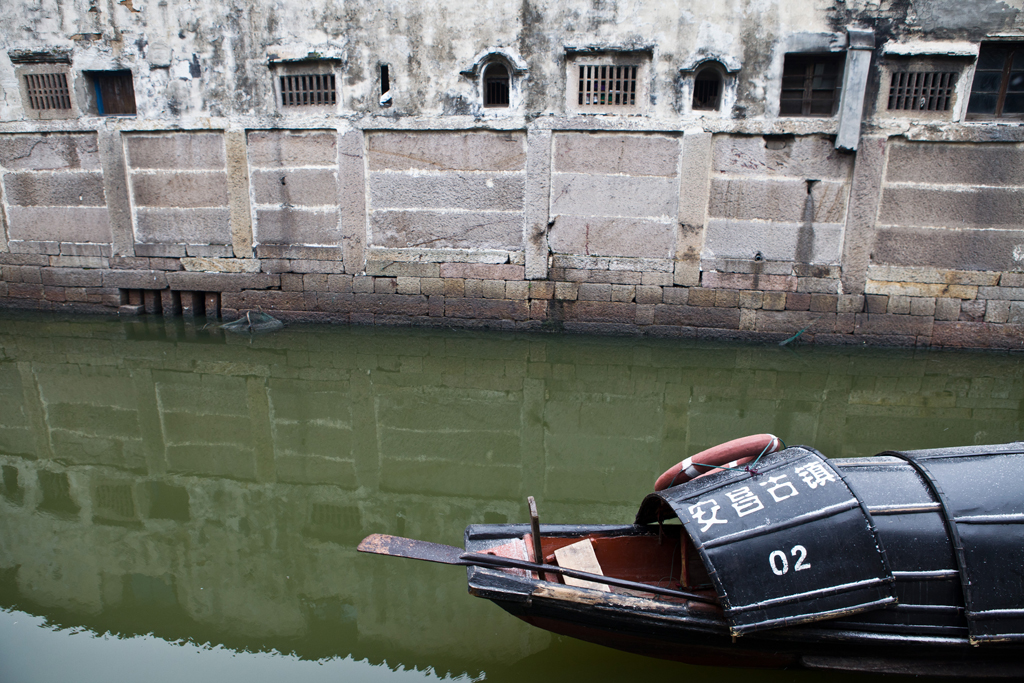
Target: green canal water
point(181, 505)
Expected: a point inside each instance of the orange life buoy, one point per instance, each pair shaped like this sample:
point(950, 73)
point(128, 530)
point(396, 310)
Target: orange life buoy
point(735, 453)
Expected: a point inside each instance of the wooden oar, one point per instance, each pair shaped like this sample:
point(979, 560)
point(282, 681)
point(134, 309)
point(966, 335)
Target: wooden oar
point(383, 544)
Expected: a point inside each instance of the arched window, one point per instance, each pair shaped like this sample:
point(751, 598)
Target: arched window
point(707, 89)
point(496, 85)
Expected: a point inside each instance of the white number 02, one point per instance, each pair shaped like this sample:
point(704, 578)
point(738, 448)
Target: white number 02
point(780, 565)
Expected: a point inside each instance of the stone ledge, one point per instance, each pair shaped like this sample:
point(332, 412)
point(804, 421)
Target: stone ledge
point(200, 264)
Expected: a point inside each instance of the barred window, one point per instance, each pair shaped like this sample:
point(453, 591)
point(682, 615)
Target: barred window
point(48, 91)
point(604, 85)
point(496, 86)
point(922, 90)
point(811, 85)
point(707, 89)
point(308, 90)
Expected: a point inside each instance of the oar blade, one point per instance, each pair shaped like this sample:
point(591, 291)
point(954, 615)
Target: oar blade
point(383, 544)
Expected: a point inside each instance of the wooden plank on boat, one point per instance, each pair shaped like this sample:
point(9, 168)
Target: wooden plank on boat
point(580, 556)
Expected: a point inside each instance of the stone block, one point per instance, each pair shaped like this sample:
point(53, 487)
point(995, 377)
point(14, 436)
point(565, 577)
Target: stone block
point(947, 309)
point(687, 273)
point(435, 306)
point(804, 156)
point(79, 262)
point(180, 190)
point(299, 252)
point(824, 303)
point(899, 305)
point(774, 200)
point(818, 285)
point(387, 268)
point(69, 224)
point(1016, 313)
point(474, 289)
point(656, 279)
point(432, 286)
point(270, 300)
point(542, 289)
point(905, 289)
point(339, 283)
point(51, 248)
point(613, 277)
point(492, 289)
point(649, 294)
point(699, 296)
point(791, 322)
point(135, 279)
point(182, 226)
point(929, 275)
point(777, 242)
point(780, 283)
point(676, 296)
point(407, 285)
point(220, 265)
point(846, 323)
point(727, 298)
point(876, 303)
point(75, 249)
point(748, 318)
point(27, 274)
point(284, 148)
point(697, 316)
point(184, 151)
point(49, 152)
point(385, 285)
point(446, 151)
point(885, 324)
point(954, 249)
point(517, 289)
point(487, 309)
point(798, 301)
point(482, 271)
point(977, 335)
point(751, 300)
point(166, 252)
point(645, 314)
point(1005, 293)
point(400, 229)
point(24, 290)
point(1011, 280)
point(304, 266)
point(130, 263)
point(602, 154)
point(71, 277)
point(539, 309)
point(297, 226)
point(589, 195)
point(291, 282)
point(296, 187)
point(221, 282)
point(335, 302)
point(463, 191)
point(997, 311)
point(774, 301)
point(850, 303)
point(454, 287)
point(922, 306)
point(131, 309)
point(567, 291)
point(600, 311)
point(54, 189)
point(590, 291)
point(623, 293)
point(54, 294)
point(972, 311)
point(928, 163)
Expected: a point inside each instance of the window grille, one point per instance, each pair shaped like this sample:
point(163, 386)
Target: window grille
point(496, 86)
point(604, 85)
point(308, 90)
point(707, 90)
point(48, 91)
point(922, 90)
point(811, 85)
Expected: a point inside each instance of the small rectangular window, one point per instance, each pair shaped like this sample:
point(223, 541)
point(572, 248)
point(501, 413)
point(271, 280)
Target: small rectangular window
point(303, 90)
point(607, 85)
point(998, 88)
point(921, 90)
point(48, 91)
point(811, 85)
point(114, 92)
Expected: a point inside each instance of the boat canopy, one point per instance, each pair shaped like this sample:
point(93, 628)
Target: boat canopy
point(981, 492)
point(786, 543)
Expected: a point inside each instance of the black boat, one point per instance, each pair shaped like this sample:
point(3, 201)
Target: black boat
point(909, 562)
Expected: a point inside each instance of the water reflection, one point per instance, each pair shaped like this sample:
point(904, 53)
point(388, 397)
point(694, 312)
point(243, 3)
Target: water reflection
point(165, 480)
